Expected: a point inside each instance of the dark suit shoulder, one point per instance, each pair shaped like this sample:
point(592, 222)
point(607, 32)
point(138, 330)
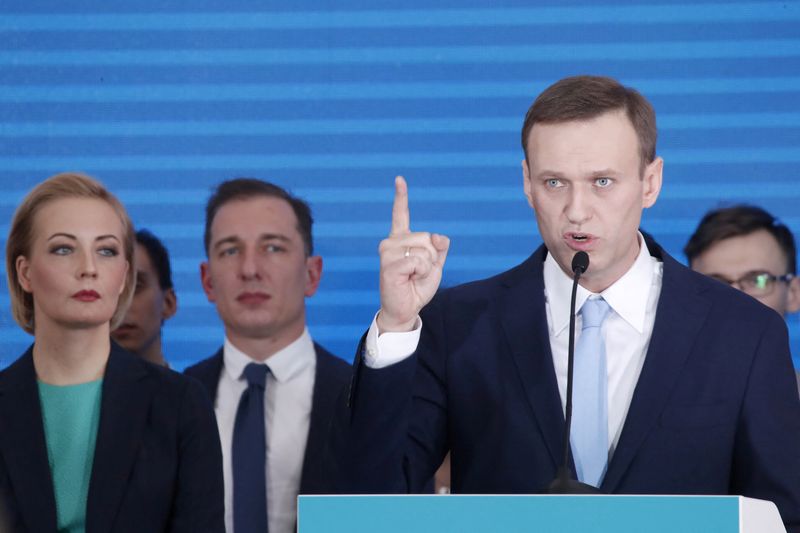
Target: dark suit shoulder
point(728, 304)
point(207, 373)
point(532, 267)
point(165, 381)
point(209, 364)
point(463, 304)
point(332, 365)
point(20, 372)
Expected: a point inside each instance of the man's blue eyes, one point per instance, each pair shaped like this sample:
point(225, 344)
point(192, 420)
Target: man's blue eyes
point(268, 248)
point(600, 182)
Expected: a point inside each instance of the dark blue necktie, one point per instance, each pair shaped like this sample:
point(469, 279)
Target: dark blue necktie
point(250, 455)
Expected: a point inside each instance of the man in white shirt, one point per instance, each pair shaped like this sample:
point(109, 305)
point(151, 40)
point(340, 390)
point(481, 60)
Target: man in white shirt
point(696, 392)
point(274, 428)
point(748, 248)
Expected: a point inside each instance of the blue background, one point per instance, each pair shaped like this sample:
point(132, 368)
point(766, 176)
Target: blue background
point(333, 99)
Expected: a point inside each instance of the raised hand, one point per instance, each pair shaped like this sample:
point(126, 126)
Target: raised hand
point(411, 267)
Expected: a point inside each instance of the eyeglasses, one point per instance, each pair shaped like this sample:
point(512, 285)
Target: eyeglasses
point(756, 283)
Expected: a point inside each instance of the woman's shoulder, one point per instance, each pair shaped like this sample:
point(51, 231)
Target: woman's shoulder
point(166, 384)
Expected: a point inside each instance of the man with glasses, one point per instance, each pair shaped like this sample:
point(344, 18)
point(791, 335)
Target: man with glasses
point(748, 248)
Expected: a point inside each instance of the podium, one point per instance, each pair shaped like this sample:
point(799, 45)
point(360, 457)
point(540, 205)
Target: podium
point(530, 514)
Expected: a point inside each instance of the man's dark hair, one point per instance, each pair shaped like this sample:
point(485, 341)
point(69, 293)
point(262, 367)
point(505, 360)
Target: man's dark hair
point(159, 256)
point(737, 221)
point(588, 97)
point(246, 188)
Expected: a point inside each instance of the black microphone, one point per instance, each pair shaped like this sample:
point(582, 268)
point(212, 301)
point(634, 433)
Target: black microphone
point(565, 482)
point(580, 262)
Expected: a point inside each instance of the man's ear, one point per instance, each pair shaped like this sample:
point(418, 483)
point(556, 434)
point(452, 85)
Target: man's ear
point(205, 281)
point(526, 182)
point(313, 274)
point(170, 304)
point(793, 298)
point(652, 178)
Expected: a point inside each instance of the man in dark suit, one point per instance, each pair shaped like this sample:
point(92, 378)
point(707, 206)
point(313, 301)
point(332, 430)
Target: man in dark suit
point(273, 388)
point(692, 391)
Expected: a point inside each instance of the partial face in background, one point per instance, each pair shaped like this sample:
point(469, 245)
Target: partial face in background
point(257, 272)
point(150, 307)
point(76, 266)
point(583, 180)
point(732, 259)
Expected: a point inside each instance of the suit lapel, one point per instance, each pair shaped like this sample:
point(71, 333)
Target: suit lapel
point(23, 446)
point(322, 403)
point(123, 415)
point(524, 322)
point(207, 372)
point(679, 317)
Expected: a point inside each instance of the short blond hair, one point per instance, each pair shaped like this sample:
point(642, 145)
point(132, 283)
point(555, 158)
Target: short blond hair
point(20, 238)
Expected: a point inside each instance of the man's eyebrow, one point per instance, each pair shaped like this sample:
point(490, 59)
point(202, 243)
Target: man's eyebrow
point(550, 174)
point(603, 173)
point(275, 236)
point(226, 240)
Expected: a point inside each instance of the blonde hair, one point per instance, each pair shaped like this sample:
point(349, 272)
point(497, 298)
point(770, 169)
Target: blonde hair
point(20, 237)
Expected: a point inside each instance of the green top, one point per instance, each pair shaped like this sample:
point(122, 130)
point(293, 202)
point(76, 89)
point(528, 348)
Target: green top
point(71, 414)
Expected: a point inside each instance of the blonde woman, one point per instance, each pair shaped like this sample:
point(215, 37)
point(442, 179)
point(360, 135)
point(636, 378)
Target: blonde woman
point(93, 439)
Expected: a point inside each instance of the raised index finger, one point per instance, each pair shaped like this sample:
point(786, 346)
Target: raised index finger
point(401, 222)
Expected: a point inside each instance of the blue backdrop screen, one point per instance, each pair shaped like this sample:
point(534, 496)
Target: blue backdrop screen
point(333, 99)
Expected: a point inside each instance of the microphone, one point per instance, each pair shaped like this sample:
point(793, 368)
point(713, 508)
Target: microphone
point(580, 262)
point(565, 482)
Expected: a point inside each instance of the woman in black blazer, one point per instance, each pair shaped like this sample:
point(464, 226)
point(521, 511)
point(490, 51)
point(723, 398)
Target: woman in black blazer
point(93, 439)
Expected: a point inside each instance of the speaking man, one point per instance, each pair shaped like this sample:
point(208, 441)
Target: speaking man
point(274, 389)
point(684, 385)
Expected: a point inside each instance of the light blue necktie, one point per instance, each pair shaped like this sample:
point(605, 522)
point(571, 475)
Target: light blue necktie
point(590, 397)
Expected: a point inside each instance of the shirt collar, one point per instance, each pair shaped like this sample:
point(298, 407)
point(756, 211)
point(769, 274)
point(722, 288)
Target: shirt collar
point(627, 296)
point(283, 364)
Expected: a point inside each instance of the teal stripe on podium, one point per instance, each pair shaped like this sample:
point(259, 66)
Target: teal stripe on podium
point(518, 514)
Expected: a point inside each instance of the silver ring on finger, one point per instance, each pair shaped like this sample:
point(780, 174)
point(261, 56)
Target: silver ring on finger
point(407, 253)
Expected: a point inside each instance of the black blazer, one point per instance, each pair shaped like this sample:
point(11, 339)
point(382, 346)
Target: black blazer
point(715, 409)
point(331, 377)
point(157, 462)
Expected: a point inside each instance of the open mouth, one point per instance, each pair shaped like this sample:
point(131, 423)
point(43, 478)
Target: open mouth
point(580, 241)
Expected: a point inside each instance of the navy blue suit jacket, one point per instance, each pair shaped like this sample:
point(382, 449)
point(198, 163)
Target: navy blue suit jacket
point(331, 377)
point(715, 409)
point(157, 463)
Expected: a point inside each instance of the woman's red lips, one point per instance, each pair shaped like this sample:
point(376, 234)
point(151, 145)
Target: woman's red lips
point(86, 296)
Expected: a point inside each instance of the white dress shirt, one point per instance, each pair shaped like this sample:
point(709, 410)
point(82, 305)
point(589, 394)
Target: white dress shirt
point(287, 413)
point(633, 300)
